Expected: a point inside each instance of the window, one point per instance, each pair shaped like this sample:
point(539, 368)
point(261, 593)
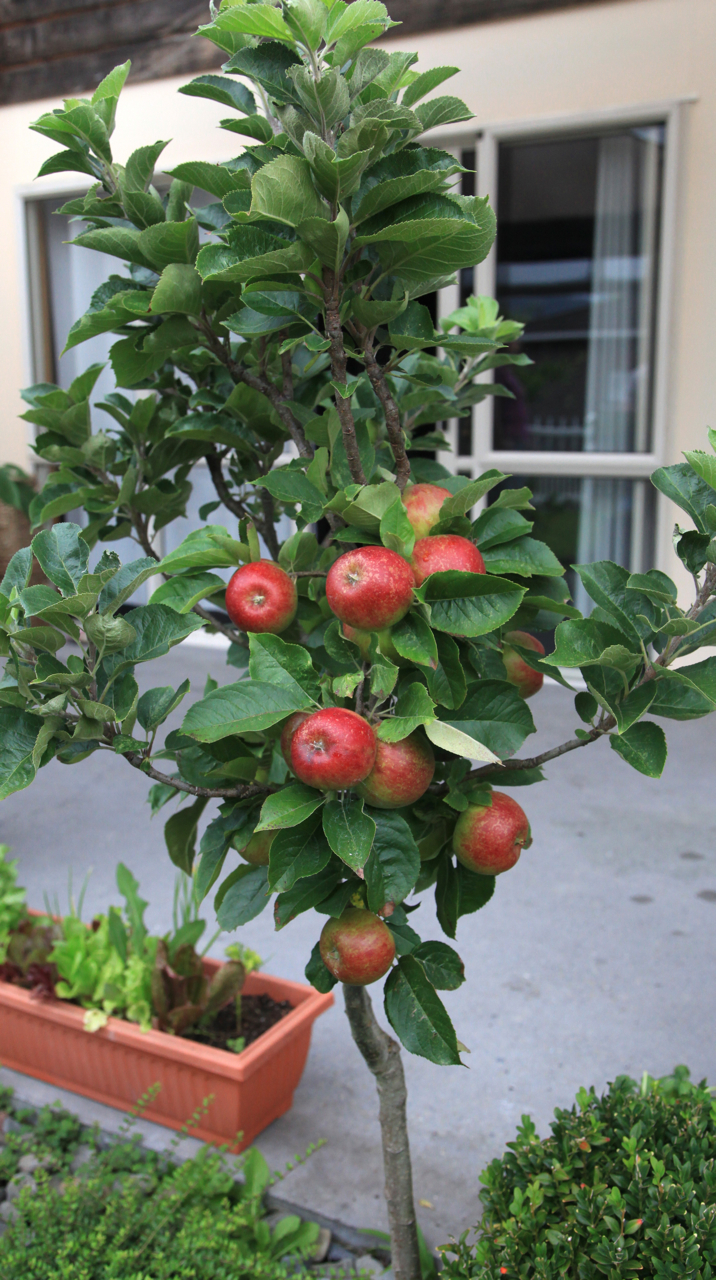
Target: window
point(576, 260)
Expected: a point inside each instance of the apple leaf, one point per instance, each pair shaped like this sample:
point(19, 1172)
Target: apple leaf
point(394, 863)
point(348, 830)
point(305, 894)
point(418, 1016)
point(414, 707)
point(289, 807)
point(245, 707)
point(449, 738)
point(297, 852)
point(442, 965)
point(317, 974)
point(496, 715)
point(469, 604)
point(273, 661)
point(643, 746)
point(414, 640)
point(241, 897)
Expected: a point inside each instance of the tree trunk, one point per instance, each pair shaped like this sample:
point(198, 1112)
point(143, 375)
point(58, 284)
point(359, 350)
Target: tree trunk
point(382, 1056)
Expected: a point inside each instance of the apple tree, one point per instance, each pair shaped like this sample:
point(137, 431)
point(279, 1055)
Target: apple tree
point(268, 324)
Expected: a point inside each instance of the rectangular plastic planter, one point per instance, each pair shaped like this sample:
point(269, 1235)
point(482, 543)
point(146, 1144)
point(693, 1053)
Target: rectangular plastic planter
point(116, 1065)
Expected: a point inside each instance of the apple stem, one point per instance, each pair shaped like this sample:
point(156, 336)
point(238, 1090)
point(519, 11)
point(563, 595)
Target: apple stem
point(382, 1056)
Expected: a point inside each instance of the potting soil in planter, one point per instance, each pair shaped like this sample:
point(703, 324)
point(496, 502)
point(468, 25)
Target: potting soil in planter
point(258, 1014)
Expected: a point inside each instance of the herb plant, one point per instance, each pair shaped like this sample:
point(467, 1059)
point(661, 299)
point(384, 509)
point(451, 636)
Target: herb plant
point(277, 333)
point(624, 1186)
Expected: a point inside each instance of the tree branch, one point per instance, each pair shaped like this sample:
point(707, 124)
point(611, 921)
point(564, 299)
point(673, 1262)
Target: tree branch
point(382, 1056)
point(260, 384)
point(267, 527)
point(339, 369)
point(392, 414)
point(233, 504)
point(210, 793)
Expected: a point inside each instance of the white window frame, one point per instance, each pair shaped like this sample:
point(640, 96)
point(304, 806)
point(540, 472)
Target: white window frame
point(486, 139)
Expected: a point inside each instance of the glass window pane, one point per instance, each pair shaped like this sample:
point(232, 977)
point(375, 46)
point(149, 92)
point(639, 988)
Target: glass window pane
point(577, 254)
point(584, 519)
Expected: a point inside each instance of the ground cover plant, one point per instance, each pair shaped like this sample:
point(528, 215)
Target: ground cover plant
point(80, 1210)
point(624, 1186)
point(113, 966)
point(277, 333)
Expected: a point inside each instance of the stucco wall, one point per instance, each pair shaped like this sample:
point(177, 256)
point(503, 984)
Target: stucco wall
point(627, 54)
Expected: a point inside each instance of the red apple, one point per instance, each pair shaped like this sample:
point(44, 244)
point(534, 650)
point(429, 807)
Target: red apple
point(446, 551)
point(333, 749)
point(261, 597)
point(288, 731)
point(358, 948)
point(401, 774)
point(525, 680)
point(370, 588)
point(257, 850)
point(422, 503)
point(359, 638)
point(490, 838)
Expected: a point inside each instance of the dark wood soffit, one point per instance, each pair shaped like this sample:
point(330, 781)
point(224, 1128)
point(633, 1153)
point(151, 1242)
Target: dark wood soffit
point(63, 48)
point(419, 16)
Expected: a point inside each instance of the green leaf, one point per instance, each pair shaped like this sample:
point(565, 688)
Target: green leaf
point(582, 642)
point(18, 734)
point(179, 289)
point(425, 83)
point(443, 966)
point(326, 240)
point(297, 852)
point(257, 20)
point(180, 834)
point(139, 169)
point(413, 639)
point(125, 582)
point(275, 662)
point(413, 707)
point(656, 585)
point(418, 1016)
point(305, 894)
point(677, 701)
point(495, 715)
point(704, 464)
point(18, 572)
point(632, 611)
point(158, 629)
point(63, 555)
point(317, 974)
point(396, 531)
point(170, 242)
point(244, 707)
point(643, 746)
point(525, 557)
point(449, 738)
point(447, 684)
point(442, 111)
point(294, 487)
point(183, 592)
point(231, 93)
point(156, 705)
point(348, 830)
point(289, 807)
point(469, 604)
point(217, 179)
point(284, 192)
point(257, 253)
point(242, 897)
point(635, 705)
point(215, 844)
point(496, 526)
point(203, 549)
point(474, 891)
point(683, 486)
point(394, 862)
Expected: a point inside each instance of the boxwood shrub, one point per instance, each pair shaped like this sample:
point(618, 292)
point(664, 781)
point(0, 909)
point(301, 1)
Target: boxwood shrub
point(625, 1186)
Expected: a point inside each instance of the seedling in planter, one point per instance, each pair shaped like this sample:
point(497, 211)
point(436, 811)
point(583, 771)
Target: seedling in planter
point(292, 353)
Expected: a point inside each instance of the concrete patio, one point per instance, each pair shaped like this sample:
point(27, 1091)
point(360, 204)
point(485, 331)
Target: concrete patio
point(594, 958)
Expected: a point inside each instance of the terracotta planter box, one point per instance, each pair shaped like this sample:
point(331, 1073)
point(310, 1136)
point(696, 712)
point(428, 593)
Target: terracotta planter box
point(117, 1065)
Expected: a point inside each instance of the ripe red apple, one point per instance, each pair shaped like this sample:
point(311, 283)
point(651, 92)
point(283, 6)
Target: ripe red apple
point(401, 774)
point(288, 731)
point(257, 850)
point(422, 503)
point(360, 638)
point(519, 673)
point(490, 838)
point(370, 588)
point(358, 948)
point(261, 597)
point(333, 749)
point(446, 551)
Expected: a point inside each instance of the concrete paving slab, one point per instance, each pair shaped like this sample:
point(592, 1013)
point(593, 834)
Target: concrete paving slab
point(595, 957)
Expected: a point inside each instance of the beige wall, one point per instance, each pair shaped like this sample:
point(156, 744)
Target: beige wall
point(607, 56)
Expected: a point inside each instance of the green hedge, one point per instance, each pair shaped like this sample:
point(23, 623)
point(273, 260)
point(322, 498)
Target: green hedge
point(624, 1187)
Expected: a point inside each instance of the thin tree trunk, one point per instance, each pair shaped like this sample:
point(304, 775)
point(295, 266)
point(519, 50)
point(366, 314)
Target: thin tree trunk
point(382, 1056)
